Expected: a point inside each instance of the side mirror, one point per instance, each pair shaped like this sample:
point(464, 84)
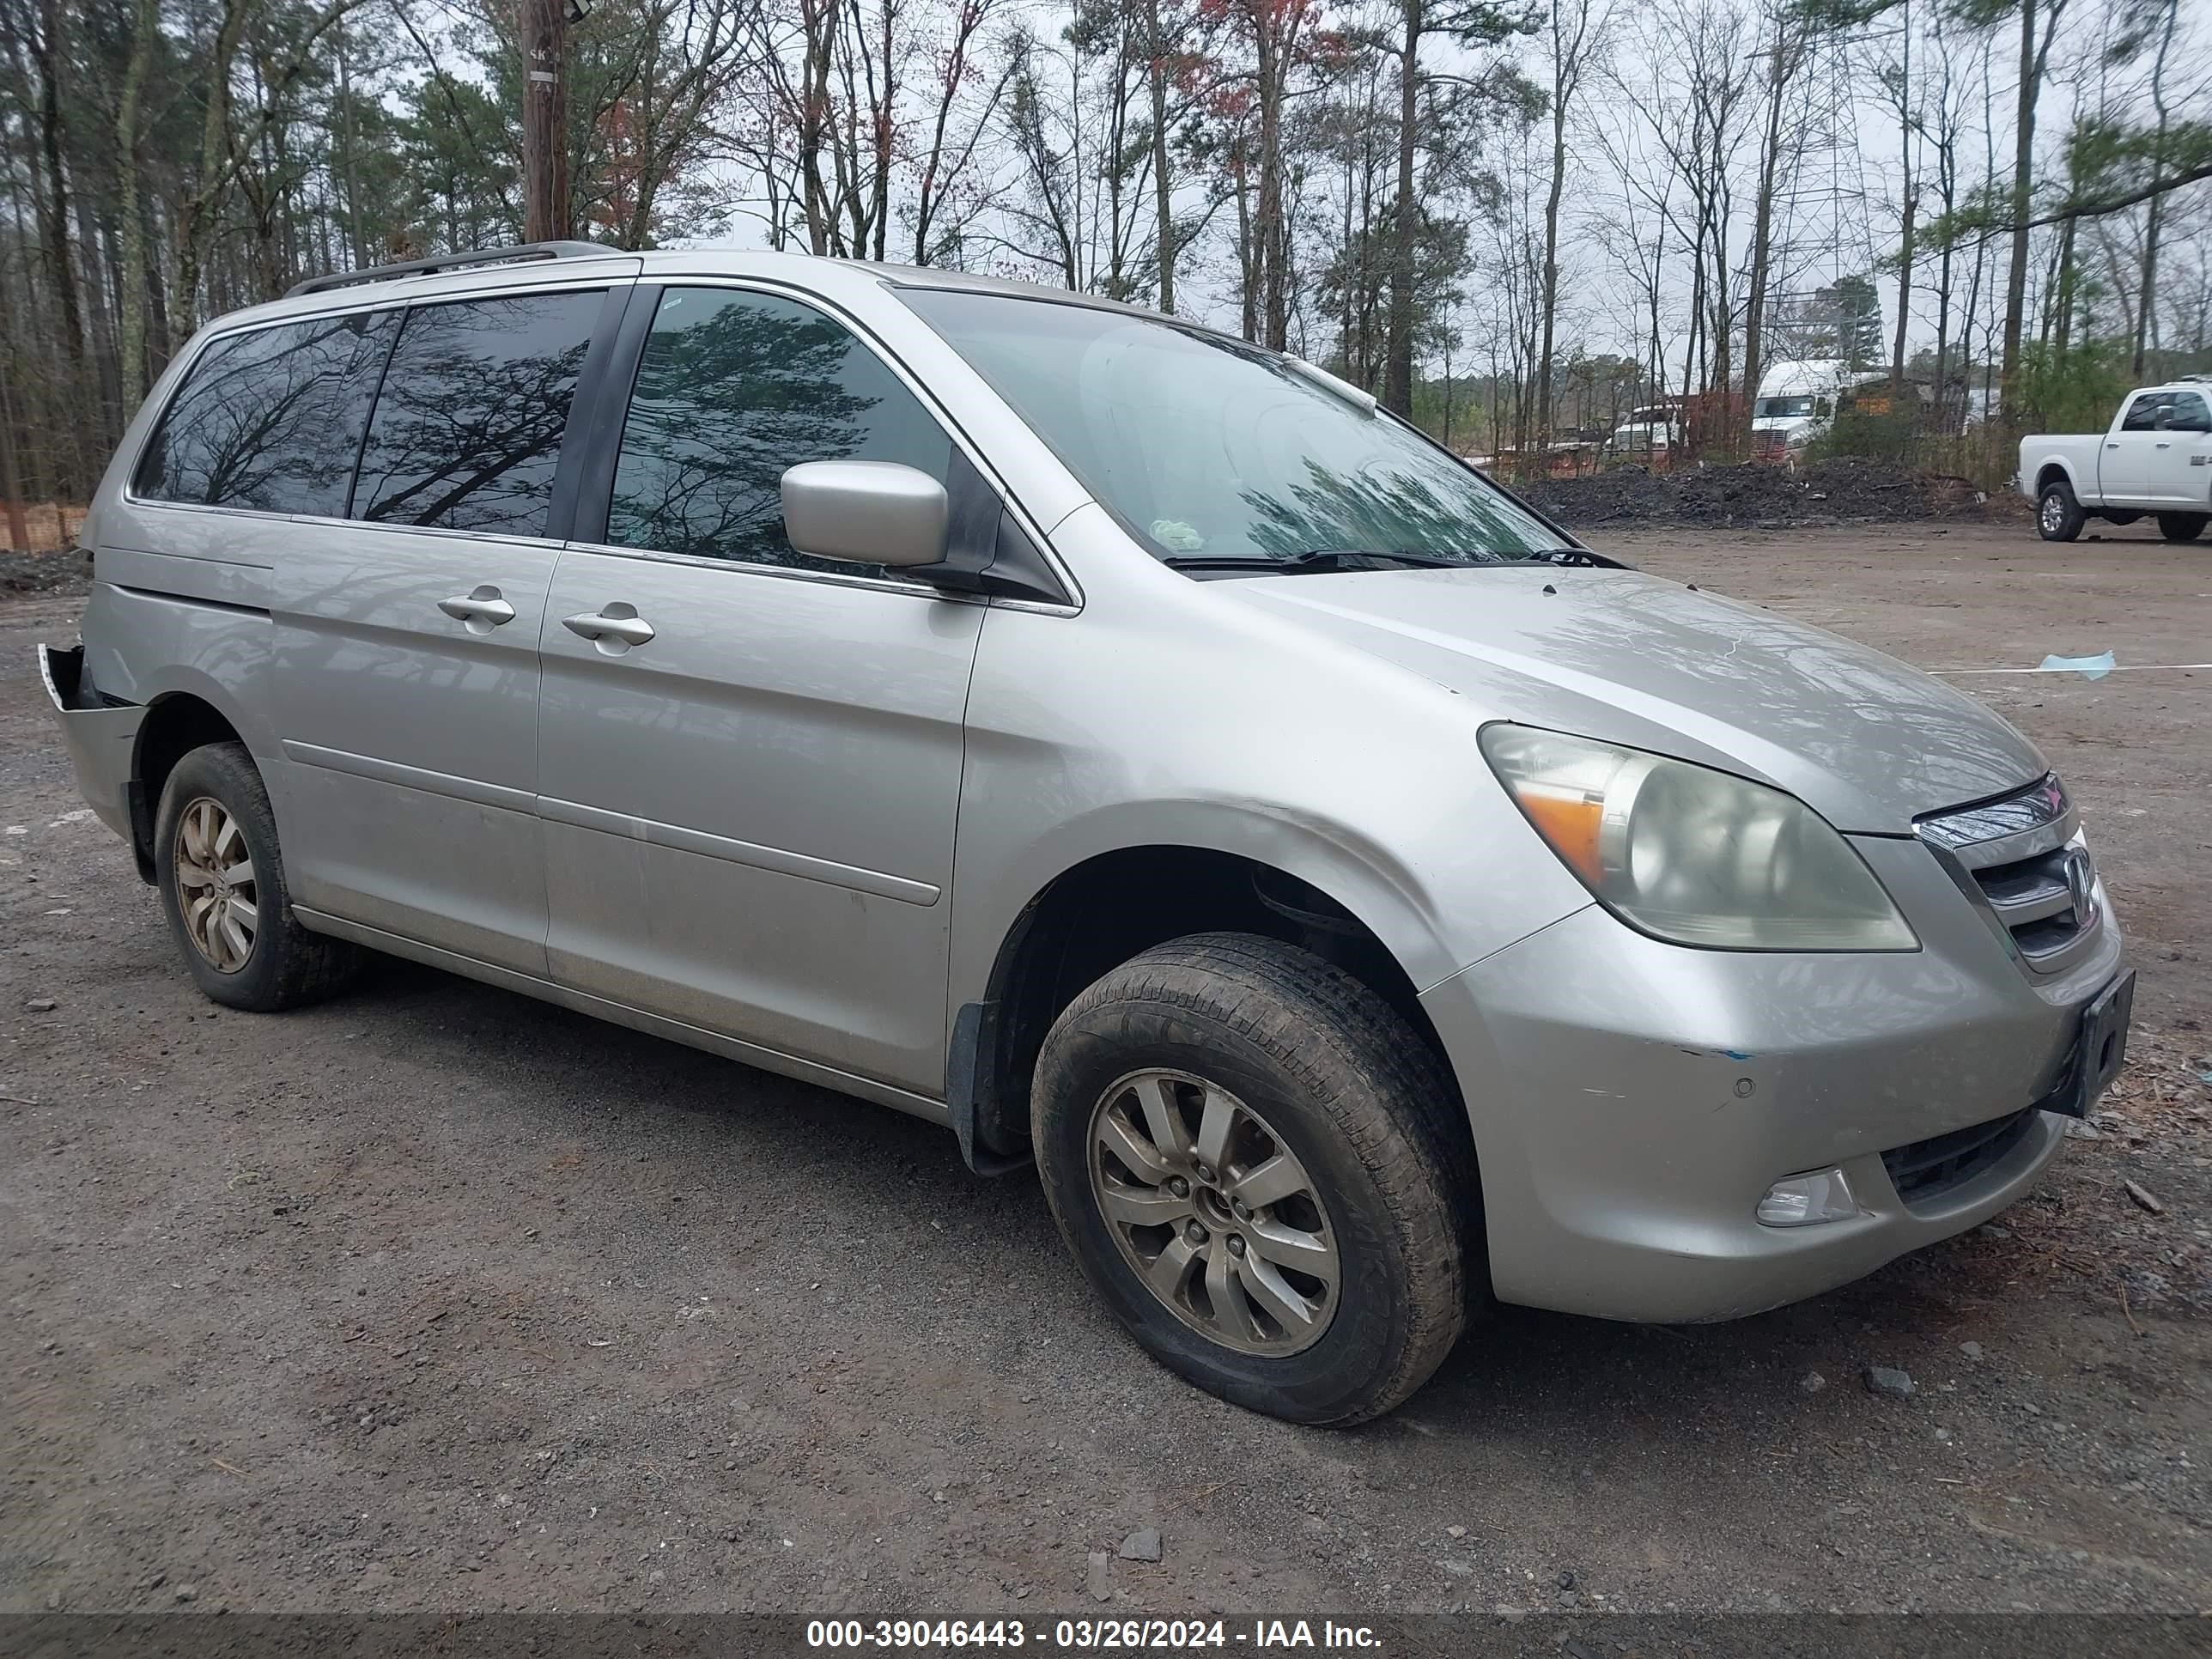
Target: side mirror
point(864, 512)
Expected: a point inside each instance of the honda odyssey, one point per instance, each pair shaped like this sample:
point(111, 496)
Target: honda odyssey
point(1134, 750)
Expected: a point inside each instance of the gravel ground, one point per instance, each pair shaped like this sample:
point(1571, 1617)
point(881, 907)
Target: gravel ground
point(436, 1299)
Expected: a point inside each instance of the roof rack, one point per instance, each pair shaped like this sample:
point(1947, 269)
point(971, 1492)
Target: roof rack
point(481, 256)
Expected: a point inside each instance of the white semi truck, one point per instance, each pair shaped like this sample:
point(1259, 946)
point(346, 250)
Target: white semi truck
point(1796, 401)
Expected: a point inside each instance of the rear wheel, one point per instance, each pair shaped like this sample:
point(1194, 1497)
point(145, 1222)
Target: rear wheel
point(221, 880)
point(1264, 1173)
point(2182, 526)
point(2058, 516)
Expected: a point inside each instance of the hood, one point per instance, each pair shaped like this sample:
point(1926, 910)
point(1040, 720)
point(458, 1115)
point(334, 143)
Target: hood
point(1867, 741)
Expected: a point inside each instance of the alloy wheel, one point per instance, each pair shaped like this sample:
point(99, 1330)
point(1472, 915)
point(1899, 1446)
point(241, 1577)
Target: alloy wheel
point(1214, 1211)
point(216, 892)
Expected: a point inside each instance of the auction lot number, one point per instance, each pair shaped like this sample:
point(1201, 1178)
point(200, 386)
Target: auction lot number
point(1097, 1633)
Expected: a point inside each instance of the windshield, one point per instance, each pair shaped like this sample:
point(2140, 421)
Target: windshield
point(1209, 449)
point(1784, 409)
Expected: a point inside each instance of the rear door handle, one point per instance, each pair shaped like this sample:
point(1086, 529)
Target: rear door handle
point(617, 622)
point(482, 610)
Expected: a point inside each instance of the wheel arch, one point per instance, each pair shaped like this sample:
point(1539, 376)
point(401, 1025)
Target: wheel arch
point(1105, 908)
point(2055, 471)
point(176, 723)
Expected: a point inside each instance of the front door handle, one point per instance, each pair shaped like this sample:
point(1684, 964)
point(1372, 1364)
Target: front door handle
point(482, 610)
point(616, 623)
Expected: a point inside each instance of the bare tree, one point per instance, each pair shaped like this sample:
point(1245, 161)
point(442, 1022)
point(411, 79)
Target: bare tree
point(1569, 36)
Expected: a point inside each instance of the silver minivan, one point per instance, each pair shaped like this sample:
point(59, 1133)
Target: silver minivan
point(1128, 747)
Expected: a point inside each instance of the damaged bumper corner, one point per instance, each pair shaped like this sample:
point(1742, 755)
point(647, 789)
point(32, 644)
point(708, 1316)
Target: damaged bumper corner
point(102, 738)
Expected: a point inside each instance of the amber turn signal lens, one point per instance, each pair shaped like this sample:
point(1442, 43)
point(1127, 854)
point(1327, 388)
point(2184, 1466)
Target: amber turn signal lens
point(1568, 819)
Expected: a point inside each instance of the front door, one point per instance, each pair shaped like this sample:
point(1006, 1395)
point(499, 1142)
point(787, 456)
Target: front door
point(2125, 466)
point(405, 673)
point(749, 759)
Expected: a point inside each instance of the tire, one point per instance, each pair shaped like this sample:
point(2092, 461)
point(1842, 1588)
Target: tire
point(1302, 1061)
point(2182, 526)
point(214, 812)
point(2058, 516)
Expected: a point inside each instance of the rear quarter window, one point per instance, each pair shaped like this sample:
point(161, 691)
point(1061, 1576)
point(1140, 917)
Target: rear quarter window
point(271, 419)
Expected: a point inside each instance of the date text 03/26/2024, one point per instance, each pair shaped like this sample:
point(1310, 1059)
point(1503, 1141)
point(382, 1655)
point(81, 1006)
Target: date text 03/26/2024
point(1074, 1635)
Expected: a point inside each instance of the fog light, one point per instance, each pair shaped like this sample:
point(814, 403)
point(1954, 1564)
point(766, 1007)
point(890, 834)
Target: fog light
point(1806, 1201)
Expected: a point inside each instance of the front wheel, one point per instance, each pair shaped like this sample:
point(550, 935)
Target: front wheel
point(221, 880)
point(2058, 516)
point(2182, 526)
point(1264, 1173)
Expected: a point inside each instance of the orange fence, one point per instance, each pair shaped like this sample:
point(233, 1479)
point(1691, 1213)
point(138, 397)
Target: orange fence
point(38, 526)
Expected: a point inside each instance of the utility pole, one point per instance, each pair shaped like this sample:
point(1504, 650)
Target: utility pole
point(544, 120)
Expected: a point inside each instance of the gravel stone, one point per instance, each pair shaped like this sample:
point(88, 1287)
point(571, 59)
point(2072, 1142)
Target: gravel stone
point(1142, 1544)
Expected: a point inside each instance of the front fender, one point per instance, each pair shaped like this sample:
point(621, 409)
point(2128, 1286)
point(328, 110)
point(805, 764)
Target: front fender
point(1383, 892)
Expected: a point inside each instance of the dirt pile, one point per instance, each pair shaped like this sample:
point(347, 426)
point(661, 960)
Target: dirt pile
point(1756, 497)
point(22, 573)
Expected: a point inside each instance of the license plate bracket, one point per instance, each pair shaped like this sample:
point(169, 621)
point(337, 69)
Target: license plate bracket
point(2100, 1048)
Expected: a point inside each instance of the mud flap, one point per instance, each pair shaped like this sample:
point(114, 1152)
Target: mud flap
point(970, 1094)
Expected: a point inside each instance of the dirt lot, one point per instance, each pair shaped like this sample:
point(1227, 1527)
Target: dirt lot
point(434, 1297)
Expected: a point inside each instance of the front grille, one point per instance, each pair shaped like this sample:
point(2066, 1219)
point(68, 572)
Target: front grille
point(1928, 1169)
point(2019, 859)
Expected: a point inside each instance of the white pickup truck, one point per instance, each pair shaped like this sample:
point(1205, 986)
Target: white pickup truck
point(2157, 458)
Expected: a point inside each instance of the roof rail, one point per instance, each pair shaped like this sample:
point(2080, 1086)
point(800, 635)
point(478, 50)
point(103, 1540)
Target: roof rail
point(481, 256)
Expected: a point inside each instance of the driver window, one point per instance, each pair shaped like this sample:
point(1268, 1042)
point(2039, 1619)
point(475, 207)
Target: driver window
point(732, 388)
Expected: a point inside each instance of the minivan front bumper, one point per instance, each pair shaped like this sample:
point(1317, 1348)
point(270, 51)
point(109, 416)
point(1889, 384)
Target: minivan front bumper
point(1633, 1100)
point(102, 738)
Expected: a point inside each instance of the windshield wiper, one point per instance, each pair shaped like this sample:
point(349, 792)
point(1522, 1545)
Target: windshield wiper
point(1321, 561)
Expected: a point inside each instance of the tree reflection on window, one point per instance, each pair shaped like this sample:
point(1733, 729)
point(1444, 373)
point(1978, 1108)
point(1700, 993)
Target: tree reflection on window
point(731, 390)
point(271, 419)
point(468, 427)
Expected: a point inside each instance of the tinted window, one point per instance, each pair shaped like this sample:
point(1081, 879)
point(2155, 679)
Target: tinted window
point(733, 388)
point(271, 419)
point(2142, 414)
point(468, 426)
point(2190, 413)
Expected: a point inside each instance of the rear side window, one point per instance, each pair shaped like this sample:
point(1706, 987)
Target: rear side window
point(2190, 413)
point(731, 389)
point(271, 419)
point(468, 427)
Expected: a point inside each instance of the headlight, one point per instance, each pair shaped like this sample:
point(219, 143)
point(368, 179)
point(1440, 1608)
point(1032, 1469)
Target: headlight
point(1693, 855)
